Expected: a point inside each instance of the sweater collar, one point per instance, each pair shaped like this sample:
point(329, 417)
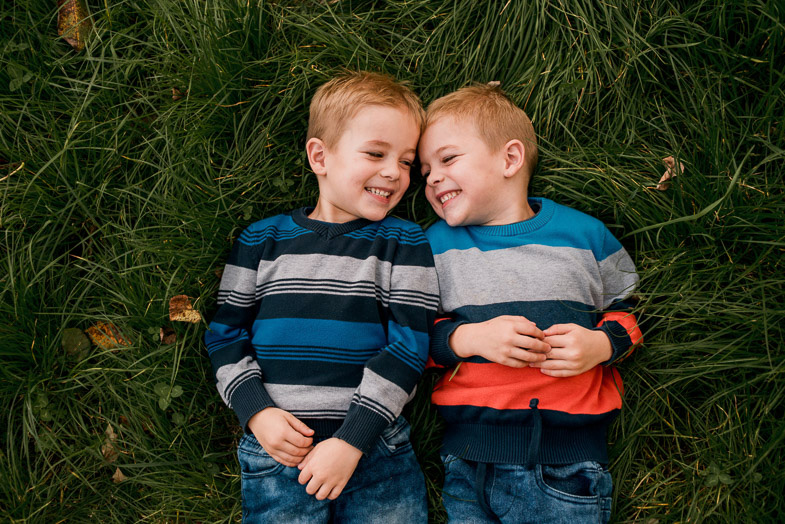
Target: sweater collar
point(326, 229)
point(543, 209)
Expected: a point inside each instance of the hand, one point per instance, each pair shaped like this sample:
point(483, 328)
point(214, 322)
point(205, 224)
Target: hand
point(508, 340)
point(285, 437)
point(574, 350)
point(328, 467)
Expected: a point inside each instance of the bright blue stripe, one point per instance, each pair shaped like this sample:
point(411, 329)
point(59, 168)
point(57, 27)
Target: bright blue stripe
point(318, 333)
point(284, 355)
point(221, 335)
point(408, 345)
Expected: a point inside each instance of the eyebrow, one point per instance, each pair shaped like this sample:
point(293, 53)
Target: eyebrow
point(382, 143)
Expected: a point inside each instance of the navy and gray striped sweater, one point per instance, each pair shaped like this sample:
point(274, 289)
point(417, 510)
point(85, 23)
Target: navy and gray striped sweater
point(329, 322)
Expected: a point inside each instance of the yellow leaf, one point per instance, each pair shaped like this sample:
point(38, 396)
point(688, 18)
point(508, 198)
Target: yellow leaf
point(181, 310)
point(106, 336)
point(73, 23)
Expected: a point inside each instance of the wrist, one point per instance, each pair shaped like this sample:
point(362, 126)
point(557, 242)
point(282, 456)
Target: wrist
point(457, 341)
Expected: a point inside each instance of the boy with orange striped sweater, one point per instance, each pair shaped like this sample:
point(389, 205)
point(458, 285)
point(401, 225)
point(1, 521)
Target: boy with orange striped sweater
point(535, 297)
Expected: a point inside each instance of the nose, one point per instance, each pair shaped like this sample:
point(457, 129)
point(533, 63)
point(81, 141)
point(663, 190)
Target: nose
point(390, 171)
point(434, 178)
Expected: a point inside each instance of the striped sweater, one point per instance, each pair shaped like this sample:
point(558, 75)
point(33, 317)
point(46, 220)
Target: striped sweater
point(560, 266)
point(329, 322)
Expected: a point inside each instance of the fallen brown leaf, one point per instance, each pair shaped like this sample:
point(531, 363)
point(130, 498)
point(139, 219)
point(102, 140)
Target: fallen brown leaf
point(118, 476)
point(106, 336)
point(168, 336)
point(181, 310)
point(107, 449)
point(73, 23)
point(671, 171)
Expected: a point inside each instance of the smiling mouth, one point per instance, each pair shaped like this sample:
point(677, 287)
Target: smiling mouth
point(378, 192)
point(448, 196)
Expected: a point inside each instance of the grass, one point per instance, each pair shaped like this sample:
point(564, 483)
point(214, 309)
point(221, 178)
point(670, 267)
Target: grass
point(116, 196)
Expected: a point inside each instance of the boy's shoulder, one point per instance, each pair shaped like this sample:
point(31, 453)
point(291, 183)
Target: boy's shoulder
point(397, 229)
point(275, 227)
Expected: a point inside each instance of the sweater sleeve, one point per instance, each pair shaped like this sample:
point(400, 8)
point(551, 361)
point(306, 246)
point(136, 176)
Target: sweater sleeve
point(390, 376)
point(228, 339)
point(619, 280)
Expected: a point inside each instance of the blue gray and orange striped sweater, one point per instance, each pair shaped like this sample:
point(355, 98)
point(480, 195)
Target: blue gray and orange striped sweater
point(560, 266)
point(327, 321)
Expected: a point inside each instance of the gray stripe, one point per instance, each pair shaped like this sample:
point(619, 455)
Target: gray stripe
point(296, 398)
point(382, 393)
point(524, 273)
point(229, 373)
point(618, 274)
point(415, 279)
point(235, 280)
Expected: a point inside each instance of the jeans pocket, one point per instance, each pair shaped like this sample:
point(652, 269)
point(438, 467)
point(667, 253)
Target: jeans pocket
point(395, 438)
point(581, 482)
point(255, 462)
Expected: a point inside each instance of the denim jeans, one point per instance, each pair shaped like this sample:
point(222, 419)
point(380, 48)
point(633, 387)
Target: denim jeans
point(575, 494)
point(387, 486)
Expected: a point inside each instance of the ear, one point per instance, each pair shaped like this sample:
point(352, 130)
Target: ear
point(317, 155)
point(514, 157)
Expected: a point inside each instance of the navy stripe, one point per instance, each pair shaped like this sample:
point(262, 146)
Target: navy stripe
point(311, 373)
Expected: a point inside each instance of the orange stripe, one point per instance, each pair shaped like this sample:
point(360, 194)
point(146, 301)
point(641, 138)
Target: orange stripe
point(502, 387)
point(628, 322)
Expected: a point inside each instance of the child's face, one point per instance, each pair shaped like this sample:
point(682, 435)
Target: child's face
point(366, 173)
point(466, 182)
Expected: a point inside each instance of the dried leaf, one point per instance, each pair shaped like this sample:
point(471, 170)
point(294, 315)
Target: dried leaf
point(168, 336)
point(670, 172)
point(176, 94)
point(118, 476)
point(108, 449)
point(73, 23)
point(106, 336)
point(74, 341)
point(181, 310)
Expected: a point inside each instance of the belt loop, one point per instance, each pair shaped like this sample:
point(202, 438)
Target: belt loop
point(479, 488)
point(533, 456)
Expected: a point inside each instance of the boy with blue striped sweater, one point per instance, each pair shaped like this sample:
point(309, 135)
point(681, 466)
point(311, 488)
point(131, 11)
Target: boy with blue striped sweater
point(322, 328)
point(535, 301)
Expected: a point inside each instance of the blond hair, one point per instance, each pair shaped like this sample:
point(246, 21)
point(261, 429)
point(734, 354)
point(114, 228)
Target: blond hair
point(339, 100)
point(496, 118)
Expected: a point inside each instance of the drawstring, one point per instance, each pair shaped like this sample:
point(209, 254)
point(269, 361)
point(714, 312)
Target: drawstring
point(533, 455)
point(479, 488)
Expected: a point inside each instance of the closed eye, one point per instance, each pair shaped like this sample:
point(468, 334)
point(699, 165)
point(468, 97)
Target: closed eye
point(448, 159)
point(375, 154)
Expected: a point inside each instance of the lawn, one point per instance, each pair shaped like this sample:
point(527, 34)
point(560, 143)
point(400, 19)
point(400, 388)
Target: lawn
point(128, 167)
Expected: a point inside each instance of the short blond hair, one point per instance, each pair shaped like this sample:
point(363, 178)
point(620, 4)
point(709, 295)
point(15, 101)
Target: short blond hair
point(496, 118)
point(339, 100)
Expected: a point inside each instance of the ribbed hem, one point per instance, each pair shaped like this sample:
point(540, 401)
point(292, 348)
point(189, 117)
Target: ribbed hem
point(441, 352)
point(542, 217)
point(361, 428)
point(510, 444)
point(326, 229)
point(620, 339)
point(250, 398)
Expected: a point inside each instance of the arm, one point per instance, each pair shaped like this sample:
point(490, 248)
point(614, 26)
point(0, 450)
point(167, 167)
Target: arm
point(577, 349)
point(236, 373)
point(389, 378)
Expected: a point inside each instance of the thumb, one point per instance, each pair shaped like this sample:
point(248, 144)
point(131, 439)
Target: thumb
point(298, 425)
point(558, 329)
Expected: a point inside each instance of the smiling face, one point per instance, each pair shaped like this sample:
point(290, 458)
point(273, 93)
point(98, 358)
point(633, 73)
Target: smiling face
point(365, 174)
point(468, 182)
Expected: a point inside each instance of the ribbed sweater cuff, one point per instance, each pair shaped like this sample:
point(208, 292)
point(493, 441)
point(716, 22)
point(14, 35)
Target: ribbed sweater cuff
point(620, 340)
point(361, 428)
point(250, 398)
point(441, 352)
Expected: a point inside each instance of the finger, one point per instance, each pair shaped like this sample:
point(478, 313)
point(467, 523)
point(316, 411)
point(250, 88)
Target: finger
point(286, 461)
point(553, 364)
point(323, 492)
point(526, 355)
point(305, 476)
point(532, 344)
point(524, 327)
point(298, 425)
point(557, 341)
point(559, 329)
point(293, 450)
point(335, 492)
point(559, 373)
point(304, 462)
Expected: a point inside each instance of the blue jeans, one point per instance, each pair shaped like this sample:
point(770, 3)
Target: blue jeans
point(387, 485)
point(574, 494)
